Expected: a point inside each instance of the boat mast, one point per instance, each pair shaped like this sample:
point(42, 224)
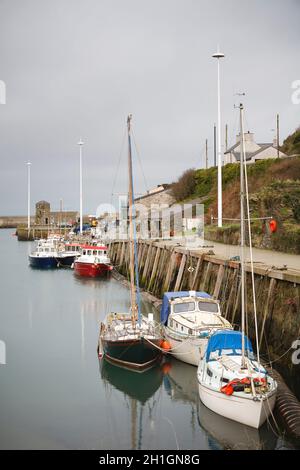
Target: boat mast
point(242, 195)
point(131, 230)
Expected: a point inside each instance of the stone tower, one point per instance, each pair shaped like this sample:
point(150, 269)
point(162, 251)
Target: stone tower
point(42, 213)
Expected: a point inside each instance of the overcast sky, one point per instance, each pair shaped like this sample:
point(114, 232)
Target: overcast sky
point(77, 67)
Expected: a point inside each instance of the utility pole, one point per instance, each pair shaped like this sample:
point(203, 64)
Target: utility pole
point(80, 143)
point(226, 137)
point(219, 55)
point(206, 154)
point(277, 129)
point(28, 197)
point(60, 215)
point(215, 145)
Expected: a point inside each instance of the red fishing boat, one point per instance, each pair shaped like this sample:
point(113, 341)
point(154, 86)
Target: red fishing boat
point(93, 262)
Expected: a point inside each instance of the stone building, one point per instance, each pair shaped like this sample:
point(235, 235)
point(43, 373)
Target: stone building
point(42, 213)
point(44, 216)
point(161, 194)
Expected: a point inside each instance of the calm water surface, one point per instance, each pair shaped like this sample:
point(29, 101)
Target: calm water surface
point(54, 392)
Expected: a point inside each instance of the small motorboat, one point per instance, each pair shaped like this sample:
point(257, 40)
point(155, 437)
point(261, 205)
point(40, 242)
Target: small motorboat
point(93, 261)
point(45, 254)
point(189, 319)
point(66, 257)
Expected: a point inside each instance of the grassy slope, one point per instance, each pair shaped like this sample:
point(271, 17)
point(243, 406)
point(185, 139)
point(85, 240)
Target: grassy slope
point(291, 145)
point(274, 188)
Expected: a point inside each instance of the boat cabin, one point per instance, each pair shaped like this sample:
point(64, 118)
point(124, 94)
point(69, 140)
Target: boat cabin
point(46, 249)
point(196, 304)
point(93, 250)
point(192, 313)
point(71, 247)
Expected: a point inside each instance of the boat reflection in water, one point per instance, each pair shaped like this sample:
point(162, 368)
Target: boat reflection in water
point(180, 382)
point(233, 435)
point(139, 388)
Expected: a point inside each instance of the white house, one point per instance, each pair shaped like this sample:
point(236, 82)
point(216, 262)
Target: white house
point(253, 150)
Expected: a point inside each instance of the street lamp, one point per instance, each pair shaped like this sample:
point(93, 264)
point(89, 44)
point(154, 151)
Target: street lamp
point(28, 196)
point(218, 55)
point(80, 143)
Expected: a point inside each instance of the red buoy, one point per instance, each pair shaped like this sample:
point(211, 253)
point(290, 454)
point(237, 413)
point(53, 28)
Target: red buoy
point(166, 367)
point(273, 225)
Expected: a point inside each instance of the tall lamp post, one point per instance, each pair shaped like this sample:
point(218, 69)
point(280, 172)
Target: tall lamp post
point(80, 143)
point(28, 196)
point(218, 55)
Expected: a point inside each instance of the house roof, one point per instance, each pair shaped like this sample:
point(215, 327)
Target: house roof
point(232, 148)
point(159, 189)
point(262, 148)
point(249, 155)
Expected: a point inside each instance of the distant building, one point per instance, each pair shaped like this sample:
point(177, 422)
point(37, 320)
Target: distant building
point(42, 213)
point(44, 216)
point(254, 151)
point(161, 194)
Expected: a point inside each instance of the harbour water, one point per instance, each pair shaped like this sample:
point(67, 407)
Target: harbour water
point(56, 394)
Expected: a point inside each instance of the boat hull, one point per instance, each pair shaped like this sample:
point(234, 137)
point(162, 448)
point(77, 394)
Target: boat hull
point(186, 349)
point(243, 410)
point(65, 261)
point(137, 354)
point(91, 269)
point(42, 262)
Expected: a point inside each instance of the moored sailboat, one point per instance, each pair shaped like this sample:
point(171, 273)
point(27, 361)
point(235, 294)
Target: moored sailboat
point(232, 381)
point(130, 339)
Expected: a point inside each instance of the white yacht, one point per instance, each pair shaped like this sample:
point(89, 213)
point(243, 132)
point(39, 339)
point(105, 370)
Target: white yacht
point(189, 319)
point(242, 392)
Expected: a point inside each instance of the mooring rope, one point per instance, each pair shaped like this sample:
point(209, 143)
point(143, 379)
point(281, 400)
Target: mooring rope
point(167, 351)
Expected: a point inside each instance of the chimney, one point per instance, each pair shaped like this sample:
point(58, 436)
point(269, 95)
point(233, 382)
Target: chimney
point(248, 137)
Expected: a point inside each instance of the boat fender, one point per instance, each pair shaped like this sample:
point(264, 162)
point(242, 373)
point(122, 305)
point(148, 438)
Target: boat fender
point(165, 345)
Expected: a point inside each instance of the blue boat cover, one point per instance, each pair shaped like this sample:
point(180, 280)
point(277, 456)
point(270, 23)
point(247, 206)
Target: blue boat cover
point(227, 339)
point(165, 310)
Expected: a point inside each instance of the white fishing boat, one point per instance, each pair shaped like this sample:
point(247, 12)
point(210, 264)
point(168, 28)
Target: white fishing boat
point(232, 381)
point(45, 254)
point(189, 319)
